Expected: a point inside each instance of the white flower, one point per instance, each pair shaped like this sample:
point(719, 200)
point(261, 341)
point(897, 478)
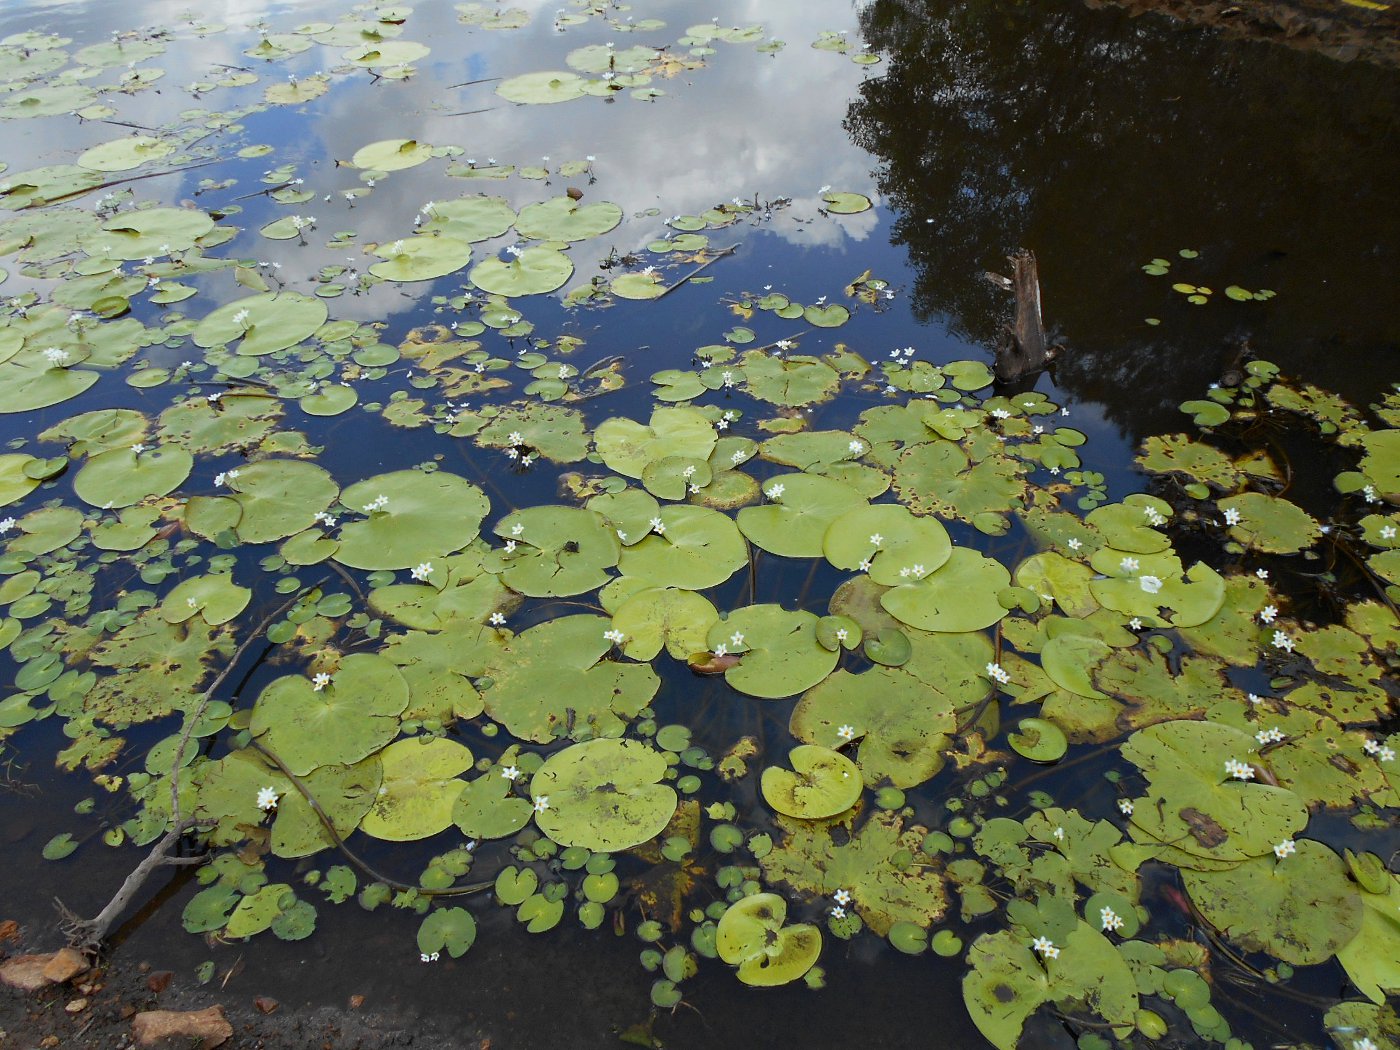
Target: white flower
point(1371, 747)
point(1239, 770)
point(517, 528)
point(688, 472)
point(995, 672)
point(876, 539)
point(904, 572)
point(1126, 806)
point(842, 634)
point(658, 526)
point(541, 803)
point(56, 356)
point(1387, 532)
point(1046, 947)
point(510, 546)
point(838, 912)
point(615, 636)
point(1269, 736)
point(1386, 754)
point(6, 525)
point(379, 502)
point(723, 424)
point(721, 650)
point(241, 318)
point(319, 681)
point(738, 456)
point(215, 397)
point(423, 571)
point(1074, 545)
point(1060, 834)
point(138, 448)
point(737, 638)
point(267, 799)
point(846, 732)
point(1135, 624)
point(510, 773)
point(842, 897)
point(1263, 574)
point(728, 378)
point(495, 619)
point(775, 490)
point(515, 438)
point(1129, 565)
point(1001, 413)
point(1364, 1043)
point(1111, 919)
point(918, 570)
point(1369, 491)
point(1255, 698)
point(1150, 584)
point(1284, 848)
point(856, 447)
point(1268, 614)
point(1282, 641)
point(864, 566)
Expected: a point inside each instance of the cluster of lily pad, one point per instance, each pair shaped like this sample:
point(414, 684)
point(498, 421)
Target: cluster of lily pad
point(418, 624)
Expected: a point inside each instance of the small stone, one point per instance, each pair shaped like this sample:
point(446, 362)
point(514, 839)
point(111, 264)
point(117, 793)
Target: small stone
point(357, 1001)
point(25, 973)
point(65, 964)
point(48, 1042)
point(77, 1006)
point(9, 931)
point(159, 981)
point(266, 1004)
point(180, 1028)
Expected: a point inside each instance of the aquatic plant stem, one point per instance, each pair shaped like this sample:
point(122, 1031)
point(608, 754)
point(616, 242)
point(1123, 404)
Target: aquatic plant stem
point(703, 266)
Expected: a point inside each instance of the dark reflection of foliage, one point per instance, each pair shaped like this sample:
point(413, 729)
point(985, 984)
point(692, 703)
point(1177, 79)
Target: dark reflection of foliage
point(1101, 142)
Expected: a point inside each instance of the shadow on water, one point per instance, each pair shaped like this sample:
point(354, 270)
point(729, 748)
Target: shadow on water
point(1101, 142)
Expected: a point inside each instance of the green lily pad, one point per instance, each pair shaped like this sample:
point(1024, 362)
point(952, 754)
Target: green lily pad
point(419, 790)
point(822, 783)
point(155, 231)
point(126, 153)
point(904, 541)
point(476, 217)
point(279, 498)
point(422, 257)
point(392, 155)
point(351, 717)
point(781, 655)
point(960, 596)
point(1039, 740)
point(1269, 524)
point(542, 88)
point(845, 203)
point(15, 482)
point(486, 808)
point(533, 271)
point(215, 597)
point(424, 516)
point(273, 321)
point(656, 616)
point(803, 508)
point(122, 477)
point(603, 795)
point(695, 548)
point(565, 219)
point(752, 936)
point(558, 550)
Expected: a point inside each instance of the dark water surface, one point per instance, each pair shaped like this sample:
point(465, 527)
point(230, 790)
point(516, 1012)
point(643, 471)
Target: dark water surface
point(1097, 140)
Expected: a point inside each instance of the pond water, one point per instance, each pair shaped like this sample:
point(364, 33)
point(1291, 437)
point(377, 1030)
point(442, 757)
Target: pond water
point(287, 249)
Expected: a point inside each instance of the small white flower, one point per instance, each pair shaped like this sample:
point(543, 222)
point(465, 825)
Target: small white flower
point(1387, 532)
point(622, 535)
point(510, 773)
point(842, 634)
point(1150, 584)
point(904, 572)
point(1269, 736)
point(615, 636)
point(422, 571)
point(325, 519)
point(856, 447)
point(267, 799)
point(846, 732)
point(1364, 1043)
point(1074, 544)
point(319, 681)
point(1000, 413)
point(737, 638)
point(1369, 491)
point(1371, 747)
point(918, 570)
point(864, 566)
point(997, 674)
point(876, 539)
point(1239, 770)
point(1386, 754)
point(6, 525)
point(515, 437)
point(496, 619)
point(738, 456)
point(517, 528)
point(775, 490)
point(138, 448)
point(1129, 565)
point(1232, 516)
point(1263, 574)
point(658, 526)
point(1284, 848)
point(721, 649)
point(688, 472)
point(1125, 805)
point(56, 356)
point(838, 912)
point(1282, 641)
point(1111, 919)
point(1046, 947)
point(1060, 834)
point(728, 378)
point(1135, 624)
point(541, 803)
point(1268, 614)
point(842, 897)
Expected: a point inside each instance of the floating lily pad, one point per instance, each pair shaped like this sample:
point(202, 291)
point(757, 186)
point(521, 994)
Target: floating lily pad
point(781, 655)
point(803, 508)
point(603, 795)
point(695, 549)
point(392, 155)
point(272, 322)
point(752, 936)
point(844, 203)
point(122, 477)
point(822, 783)
point(960, 596)
point(419, 789)
point(541, 88)
point(904, 541)
point(424, 516)
point(533, 271)
point(565, 219)
point(279, 497)
point(422, 257)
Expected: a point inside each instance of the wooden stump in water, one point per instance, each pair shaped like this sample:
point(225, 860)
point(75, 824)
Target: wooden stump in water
point(1025, 350)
